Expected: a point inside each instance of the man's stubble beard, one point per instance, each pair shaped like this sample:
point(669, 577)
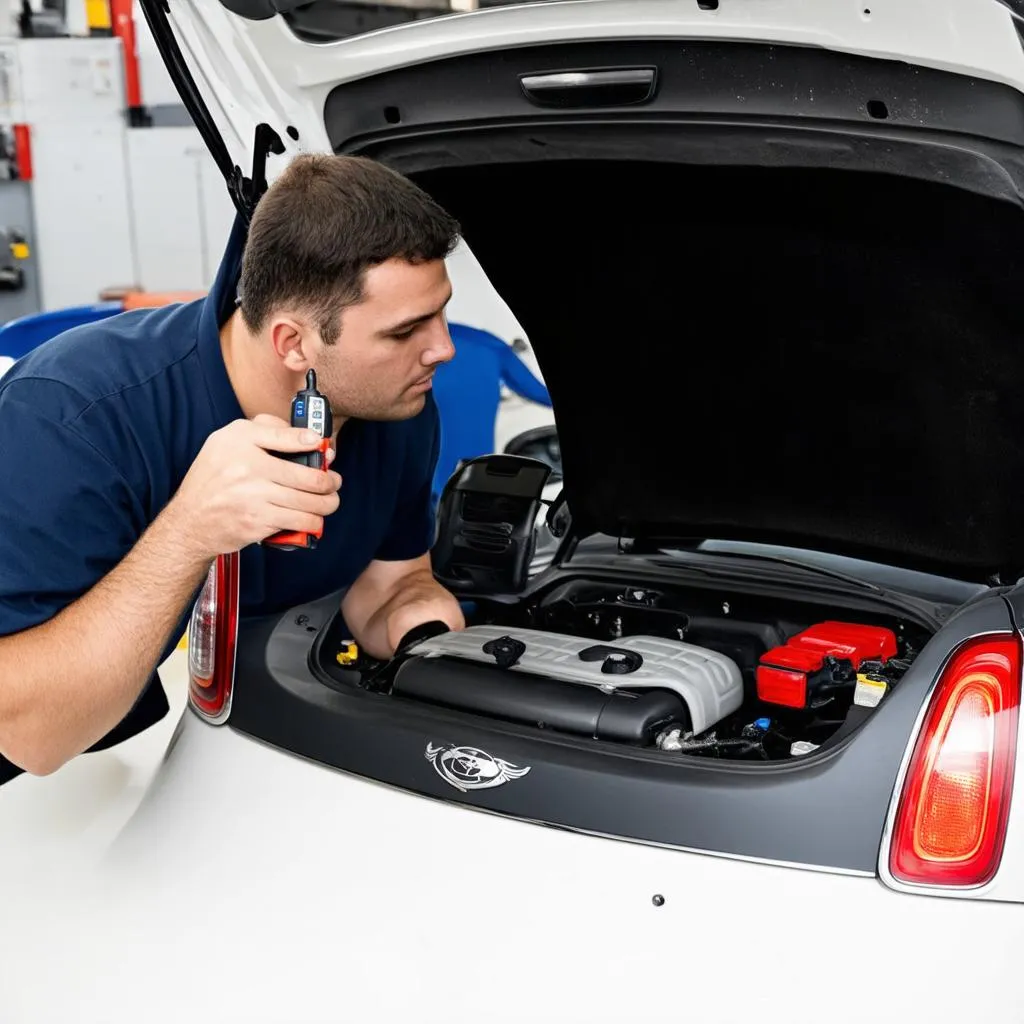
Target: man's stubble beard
point(350, 401)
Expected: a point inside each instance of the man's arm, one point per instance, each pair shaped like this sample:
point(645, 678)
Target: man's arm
point(516, 375)
point(70, 680)
point(65, 682)
point(390, 598)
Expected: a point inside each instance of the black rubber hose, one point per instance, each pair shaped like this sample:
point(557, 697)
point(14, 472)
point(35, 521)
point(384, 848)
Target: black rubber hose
point(714, 744)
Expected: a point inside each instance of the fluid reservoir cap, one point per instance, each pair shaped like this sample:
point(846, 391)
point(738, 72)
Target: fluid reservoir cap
point(764, 724)
point(802, 747)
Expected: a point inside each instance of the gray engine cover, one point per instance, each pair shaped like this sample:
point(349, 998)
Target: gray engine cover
point(710, 683)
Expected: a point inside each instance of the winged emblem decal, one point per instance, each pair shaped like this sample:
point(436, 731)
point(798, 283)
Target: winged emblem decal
point(468, 768)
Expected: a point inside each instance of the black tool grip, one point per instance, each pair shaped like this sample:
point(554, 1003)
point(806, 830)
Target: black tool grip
point(312, 411)
point(285, 541)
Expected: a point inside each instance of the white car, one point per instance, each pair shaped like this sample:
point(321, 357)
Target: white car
point(747, 749)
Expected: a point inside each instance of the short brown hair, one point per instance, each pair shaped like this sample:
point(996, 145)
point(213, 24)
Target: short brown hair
point(322, 224)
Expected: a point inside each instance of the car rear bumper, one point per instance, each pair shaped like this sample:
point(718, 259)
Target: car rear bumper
point(255, 886)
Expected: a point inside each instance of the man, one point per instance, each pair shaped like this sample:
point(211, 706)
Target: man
point(136, 450)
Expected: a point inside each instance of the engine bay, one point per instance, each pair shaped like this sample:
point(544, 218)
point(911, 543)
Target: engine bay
point(715, 669)
point(674, 670)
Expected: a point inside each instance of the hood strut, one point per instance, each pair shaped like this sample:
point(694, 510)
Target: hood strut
point(245, 191)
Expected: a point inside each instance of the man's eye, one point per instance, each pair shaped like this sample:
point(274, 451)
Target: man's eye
point(404, 335)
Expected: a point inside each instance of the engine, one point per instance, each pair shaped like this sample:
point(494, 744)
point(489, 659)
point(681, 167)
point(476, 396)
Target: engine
point(677, 672)
point(632, 691)
point(802, 678)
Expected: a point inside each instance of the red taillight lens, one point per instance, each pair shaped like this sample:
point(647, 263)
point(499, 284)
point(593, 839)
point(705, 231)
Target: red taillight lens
point(952, 815)
point(212, 633)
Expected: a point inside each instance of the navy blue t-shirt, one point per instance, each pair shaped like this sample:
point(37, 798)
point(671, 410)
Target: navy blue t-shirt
point(99, 426)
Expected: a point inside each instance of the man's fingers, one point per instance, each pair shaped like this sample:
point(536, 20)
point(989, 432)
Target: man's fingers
point(265, 419)
point(294, 521)
point(302, 478)
point(279, 437)
point(303, 501)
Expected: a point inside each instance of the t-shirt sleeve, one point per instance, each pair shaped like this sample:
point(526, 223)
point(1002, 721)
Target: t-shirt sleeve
point(411, 533)
point(67, 513)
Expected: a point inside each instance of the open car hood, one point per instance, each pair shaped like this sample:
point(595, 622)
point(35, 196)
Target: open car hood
point(240, 64)
point(768, 262)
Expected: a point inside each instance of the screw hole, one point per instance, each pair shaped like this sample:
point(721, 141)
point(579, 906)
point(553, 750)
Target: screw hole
point(878, 110)
point(708, 5)
point(392, 115)
point(867, 12)
point(293, 132)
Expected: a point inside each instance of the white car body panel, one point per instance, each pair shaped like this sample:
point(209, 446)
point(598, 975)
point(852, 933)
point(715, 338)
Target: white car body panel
point(253, 886)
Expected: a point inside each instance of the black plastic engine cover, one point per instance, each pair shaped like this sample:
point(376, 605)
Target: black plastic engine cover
point(633, 717)
point(486, 524)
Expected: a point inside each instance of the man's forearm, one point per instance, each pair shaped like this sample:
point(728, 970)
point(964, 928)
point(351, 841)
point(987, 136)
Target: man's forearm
point(66, 683)
point(378, 622)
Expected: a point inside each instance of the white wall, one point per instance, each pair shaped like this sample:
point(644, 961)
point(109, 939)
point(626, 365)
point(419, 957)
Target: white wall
point(72, 97)
point(79, 195)
point(181, 209)
point(113, 206)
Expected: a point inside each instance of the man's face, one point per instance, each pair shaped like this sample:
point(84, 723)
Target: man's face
point(381, 365)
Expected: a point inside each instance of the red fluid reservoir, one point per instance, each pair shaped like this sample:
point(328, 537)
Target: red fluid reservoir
point(788, 675)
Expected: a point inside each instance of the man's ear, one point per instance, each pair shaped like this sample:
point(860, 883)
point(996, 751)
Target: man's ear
point(292, 343)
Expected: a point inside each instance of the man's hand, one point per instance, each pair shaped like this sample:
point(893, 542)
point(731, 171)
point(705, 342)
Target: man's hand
point(237, 493)
point(390, 598)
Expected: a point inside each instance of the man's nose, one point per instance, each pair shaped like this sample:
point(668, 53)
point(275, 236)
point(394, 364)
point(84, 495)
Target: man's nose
point(439, 348)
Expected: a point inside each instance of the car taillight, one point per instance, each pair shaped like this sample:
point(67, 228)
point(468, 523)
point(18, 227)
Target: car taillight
point(212, 633)
point(951, 820)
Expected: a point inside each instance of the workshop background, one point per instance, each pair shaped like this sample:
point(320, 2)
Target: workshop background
point(107, 193)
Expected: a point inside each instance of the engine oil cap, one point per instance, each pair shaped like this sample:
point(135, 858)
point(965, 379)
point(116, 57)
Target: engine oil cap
point(616, 661)
point(505, 650)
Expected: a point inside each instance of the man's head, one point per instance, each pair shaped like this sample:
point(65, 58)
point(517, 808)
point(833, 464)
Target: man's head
point(344, 270)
